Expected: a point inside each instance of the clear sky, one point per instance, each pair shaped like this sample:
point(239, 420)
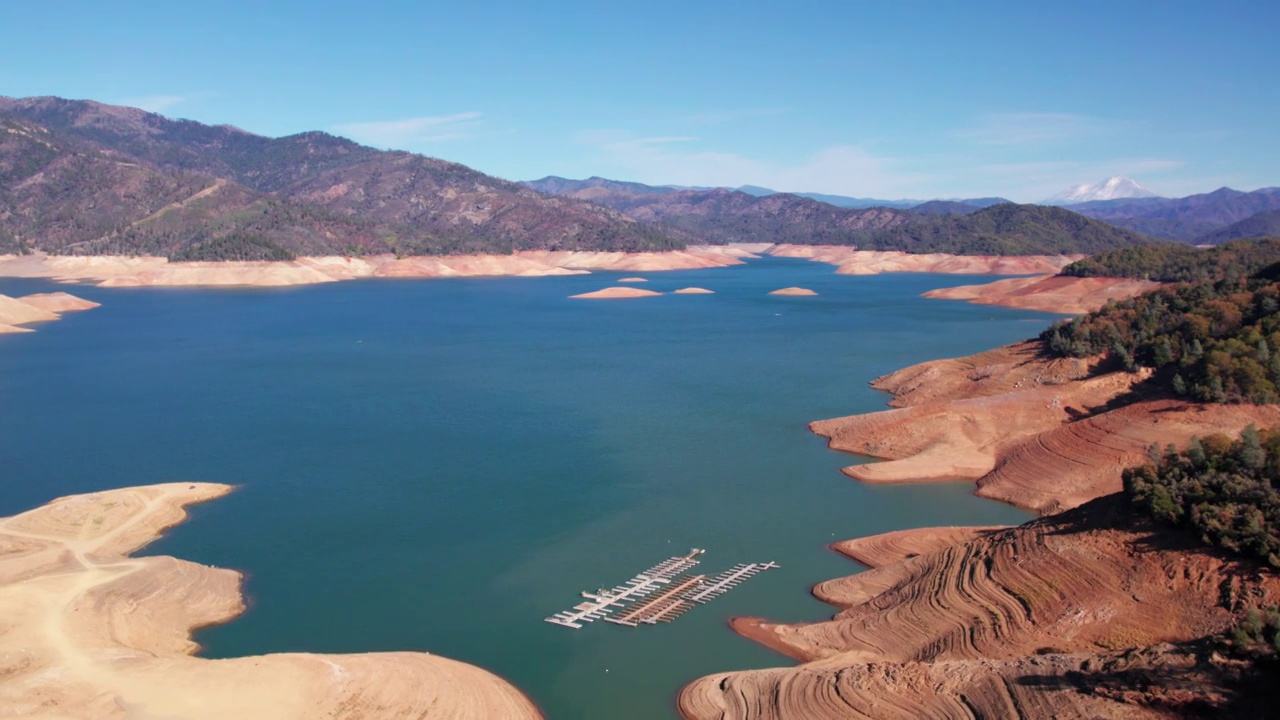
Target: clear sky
point(880, 99)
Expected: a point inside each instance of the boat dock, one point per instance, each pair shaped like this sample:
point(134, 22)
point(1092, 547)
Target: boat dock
point(658, 594)
point(604, 602)
point(730, 579)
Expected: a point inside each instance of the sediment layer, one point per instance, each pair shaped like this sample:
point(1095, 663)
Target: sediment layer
point(1041, 433)
point(849, 261)
point(1021, 622)
point(1048, 293)
point(112, 271)
point(89, 632)
point(118, 271)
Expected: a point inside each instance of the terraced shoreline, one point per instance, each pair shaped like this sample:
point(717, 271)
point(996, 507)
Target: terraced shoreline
point(1087, 612)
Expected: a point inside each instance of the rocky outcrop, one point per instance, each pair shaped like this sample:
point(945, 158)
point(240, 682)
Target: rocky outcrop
point(794, 292)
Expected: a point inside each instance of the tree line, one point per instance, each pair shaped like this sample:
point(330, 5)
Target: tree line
point(1211, 342)
point(1224, 491)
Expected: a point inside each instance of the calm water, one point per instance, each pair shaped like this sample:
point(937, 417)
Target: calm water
point(439, 465)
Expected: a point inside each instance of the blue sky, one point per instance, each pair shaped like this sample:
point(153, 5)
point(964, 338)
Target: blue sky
point(889, 100)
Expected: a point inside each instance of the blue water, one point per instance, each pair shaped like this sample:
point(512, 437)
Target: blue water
point(439, 465)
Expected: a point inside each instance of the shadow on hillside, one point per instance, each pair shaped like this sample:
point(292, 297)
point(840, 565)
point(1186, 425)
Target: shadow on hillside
point(1192, 679)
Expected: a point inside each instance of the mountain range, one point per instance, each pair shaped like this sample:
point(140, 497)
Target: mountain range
point(83, 177)
point(721, 215)
point(1193, 218)
point(564, 186)
point(1113, 188)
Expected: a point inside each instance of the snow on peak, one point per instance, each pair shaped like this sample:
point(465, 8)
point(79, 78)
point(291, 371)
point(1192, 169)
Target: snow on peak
point(1110, 189)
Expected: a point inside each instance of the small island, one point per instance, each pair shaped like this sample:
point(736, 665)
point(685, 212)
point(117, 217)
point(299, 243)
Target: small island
point(794, 292)
point(614, 293)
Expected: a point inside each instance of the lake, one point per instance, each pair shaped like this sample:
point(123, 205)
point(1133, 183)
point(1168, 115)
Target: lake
point(440, 464)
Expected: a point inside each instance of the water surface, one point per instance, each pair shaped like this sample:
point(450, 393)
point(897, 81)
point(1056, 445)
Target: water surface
point(438, 465)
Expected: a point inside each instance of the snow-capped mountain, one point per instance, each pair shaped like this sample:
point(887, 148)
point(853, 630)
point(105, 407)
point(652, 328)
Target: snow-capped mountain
point(1109, 189)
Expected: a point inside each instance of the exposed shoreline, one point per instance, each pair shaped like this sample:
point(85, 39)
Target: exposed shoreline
point(93, 632)
point(1033, 431)
point(850, 261)
point(990, 620)
point(117, 271)
point(1048, 293)
point(17, 313)
point(120, 271)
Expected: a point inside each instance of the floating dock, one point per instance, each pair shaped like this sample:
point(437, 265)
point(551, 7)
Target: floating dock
point(659, 594)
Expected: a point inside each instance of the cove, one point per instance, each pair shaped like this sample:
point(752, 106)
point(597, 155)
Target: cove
point(438, 465)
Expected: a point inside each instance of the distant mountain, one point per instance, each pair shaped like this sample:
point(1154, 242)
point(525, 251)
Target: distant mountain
point(858, 203)
point(1184, 218)
point(553, 185)
point(862, 203)
point(723, 216)
point(84, 177)
point(1264, 224)
point(1006, 229)
point(956, 207)
point(1110, 189)
point(574, 188)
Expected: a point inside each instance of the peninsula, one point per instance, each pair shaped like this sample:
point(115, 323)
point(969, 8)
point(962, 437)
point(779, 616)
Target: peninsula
point(15, 313)
point(91, 632)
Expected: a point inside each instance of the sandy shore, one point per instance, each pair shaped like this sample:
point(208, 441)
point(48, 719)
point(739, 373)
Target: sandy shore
point(1048, 293)
point(90, 632)
point(114, 271)
point(37, 308)
point(849, 261)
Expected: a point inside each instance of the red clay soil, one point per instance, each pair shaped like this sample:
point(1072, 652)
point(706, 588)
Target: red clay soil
point(1022, 622)
point(1070, 615)
point(1032, 431)
point(1048, 293)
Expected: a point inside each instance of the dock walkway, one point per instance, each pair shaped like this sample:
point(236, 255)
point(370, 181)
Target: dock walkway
point(659, 594)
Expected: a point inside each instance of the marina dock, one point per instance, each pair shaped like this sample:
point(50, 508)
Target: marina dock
point(661, 593)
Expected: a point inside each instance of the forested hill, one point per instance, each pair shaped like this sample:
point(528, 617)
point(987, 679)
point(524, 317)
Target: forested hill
point(721, 215)
point(1214, 341)
point(1180, 263)
point(1005, 229)
point(1264, 224)
point(83, 177)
